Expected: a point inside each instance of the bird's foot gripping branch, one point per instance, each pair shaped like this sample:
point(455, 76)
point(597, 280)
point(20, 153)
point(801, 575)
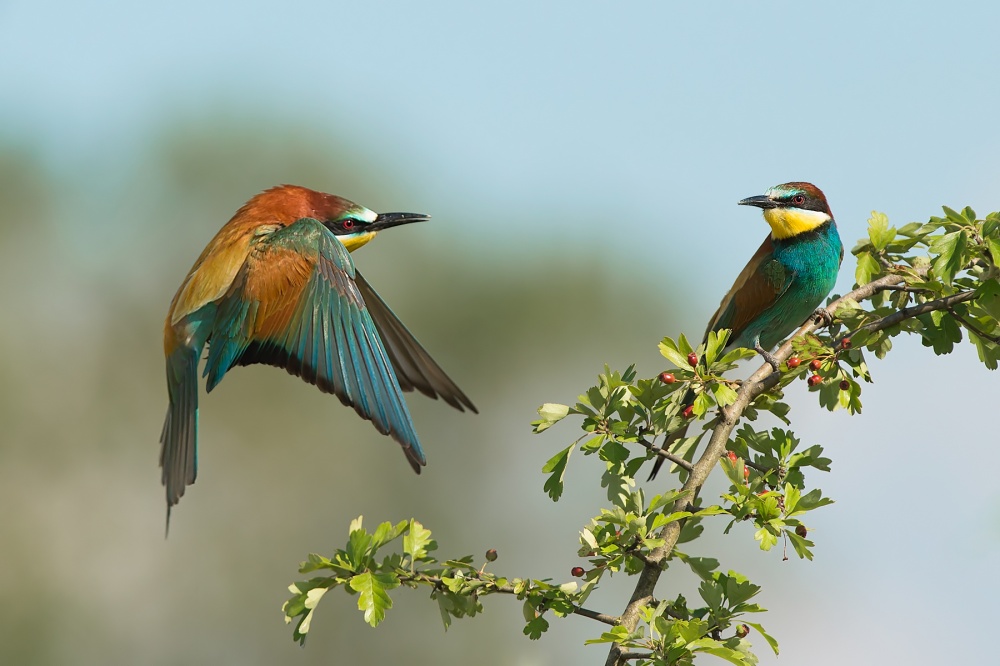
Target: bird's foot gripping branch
point(937, 280)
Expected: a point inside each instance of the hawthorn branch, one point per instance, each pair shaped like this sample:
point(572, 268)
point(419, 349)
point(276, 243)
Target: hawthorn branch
point(762, 380)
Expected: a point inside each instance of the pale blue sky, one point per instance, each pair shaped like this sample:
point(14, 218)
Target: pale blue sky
point(636, 126)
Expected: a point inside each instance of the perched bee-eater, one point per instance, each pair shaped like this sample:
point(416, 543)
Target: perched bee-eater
point(785, 281)
point(277, 285)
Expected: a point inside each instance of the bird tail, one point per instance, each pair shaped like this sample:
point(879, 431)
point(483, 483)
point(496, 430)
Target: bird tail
point(179, 440)
point(673, 437)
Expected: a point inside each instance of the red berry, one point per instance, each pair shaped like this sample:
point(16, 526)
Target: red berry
point(845, 385)
point(491, 555)
point(692, 359)
point(746, 473)
point(578, 572)
point(667, 377)
point(794, 362)
point(814, 379)
point(732, 456)
point(845, 343)
point(815, 364)
point(688, 412)
point(801, 530)
point(742, 631)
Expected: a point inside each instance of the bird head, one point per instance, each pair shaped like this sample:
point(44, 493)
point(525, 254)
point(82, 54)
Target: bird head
point(352, 224)
point(355, 225)
point(792, 208)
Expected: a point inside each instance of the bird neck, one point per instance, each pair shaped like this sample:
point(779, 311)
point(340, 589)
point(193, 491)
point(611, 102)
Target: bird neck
point(353, 241)
point(789, 222)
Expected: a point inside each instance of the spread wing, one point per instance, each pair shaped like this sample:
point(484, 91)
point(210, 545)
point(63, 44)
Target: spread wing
point(415, 369)
point(761, 282)
point(295, 305)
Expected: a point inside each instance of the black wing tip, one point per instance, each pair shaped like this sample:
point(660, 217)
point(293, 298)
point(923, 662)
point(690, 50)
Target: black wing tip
point(460, 402)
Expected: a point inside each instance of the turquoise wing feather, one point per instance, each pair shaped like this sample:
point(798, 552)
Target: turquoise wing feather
point(415, 369)
point(295, 305)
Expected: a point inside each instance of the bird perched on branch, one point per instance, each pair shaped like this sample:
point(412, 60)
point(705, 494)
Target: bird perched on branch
point(277, 285)
point(785, 281)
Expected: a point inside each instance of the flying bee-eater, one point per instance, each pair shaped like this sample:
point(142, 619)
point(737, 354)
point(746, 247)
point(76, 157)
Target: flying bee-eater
point(785, 281)
point(277, 285)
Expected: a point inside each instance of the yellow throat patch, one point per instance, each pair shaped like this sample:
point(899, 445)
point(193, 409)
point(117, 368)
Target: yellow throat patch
point(354, 241)
point(788, 222)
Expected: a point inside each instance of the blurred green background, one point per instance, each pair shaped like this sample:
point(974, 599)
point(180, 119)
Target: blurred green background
point(581, 163)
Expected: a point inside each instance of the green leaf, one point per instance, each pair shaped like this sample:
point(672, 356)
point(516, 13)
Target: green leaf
point(724, 394)
point(867, 268)
point(357, 549)
point(701, 566)
point(374, 598)
point(416, 541)
point(669, 350)
point(767, 538)
point(556, 468)
point(801, 546)
point(617, 634)
point(993, 245)
point(702, 403)
point(715, 342)
point(387, 532)
point(660, 501)
point(989, 352)
point(767, 637)
point(535, 628)
point(718, 650)
point(988, 298)
point(551, 413)
point(951, 249)
point(879, 231)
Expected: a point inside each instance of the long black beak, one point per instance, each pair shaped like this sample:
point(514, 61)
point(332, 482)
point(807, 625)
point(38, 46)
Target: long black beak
point(386, 220)
point(760, 201)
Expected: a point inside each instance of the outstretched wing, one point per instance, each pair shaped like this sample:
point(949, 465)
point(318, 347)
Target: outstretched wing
point(759, 285)
point(415, 369)
point(295, 305)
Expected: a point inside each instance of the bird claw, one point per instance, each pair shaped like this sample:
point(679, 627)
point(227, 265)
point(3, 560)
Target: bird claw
point(823, 316)
point(766, 355)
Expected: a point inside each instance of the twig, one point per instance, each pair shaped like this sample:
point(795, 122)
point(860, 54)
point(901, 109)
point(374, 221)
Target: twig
point(594, 615)
point(975, 329)
point(436, 582)
point(905, 287)
point(677, 460)
point(628, 656)
point(916, 310)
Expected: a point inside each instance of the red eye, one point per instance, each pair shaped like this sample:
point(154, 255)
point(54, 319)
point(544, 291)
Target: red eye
point(347, 224)
point(798, 200)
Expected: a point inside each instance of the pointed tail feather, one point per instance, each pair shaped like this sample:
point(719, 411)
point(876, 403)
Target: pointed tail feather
point(179, 440)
